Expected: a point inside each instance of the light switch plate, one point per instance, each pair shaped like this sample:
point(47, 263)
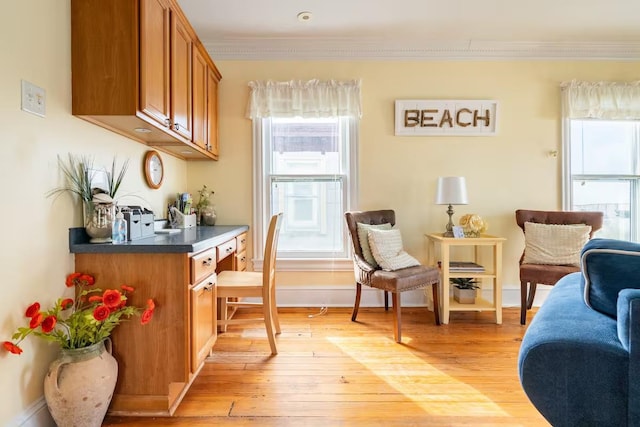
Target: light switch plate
point(33, 99)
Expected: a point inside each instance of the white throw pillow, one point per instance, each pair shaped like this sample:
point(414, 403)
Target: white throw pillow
point(363, 237)
point(554, 243)
point(386, 247)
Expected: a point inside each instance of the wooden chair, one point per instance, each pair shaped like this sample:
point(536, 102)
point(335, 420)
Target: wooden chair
point(242, 284)
point(533, 274)
point(395, 282)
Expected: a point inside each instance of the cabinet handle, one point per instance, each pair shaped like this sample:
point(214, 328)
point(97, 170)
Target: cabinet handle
point(167, 122)
point(209, 287)
point(229, 249)
point(176, 126)
point(207, 262)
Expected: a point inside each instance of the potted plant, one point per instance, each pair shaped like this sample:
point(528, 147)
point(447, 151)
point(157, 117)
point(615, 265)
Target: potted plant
point(80, 383)
point(98, 203)
point(465, 289)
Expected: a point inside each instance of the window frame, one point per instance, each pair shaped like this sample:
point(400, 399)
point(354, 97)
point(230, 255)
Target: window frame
point(262, 179)
point(634, 179)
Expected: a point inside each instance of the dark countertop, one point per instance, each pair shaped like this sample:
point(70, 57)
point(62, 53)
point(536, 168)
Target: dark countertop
point(187, 240)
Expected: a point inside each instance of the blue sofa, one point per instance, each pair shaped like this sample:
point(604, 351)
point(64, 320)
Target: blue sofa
point(579, 362)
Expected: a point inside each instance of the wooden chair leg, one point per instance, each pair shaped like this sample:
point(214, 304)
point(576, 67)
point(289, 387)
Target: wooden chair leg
point(523, 303)
point(274, 311)
point(356, 304)
point(386, 301)
point(224, 313)
point(268, 323)
point(436, 302)
point(532, 294)
point(397, 318)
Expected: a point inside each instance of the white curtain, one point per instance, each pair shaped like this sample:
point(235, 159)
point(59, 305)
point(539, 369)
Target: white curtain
point(601, 100)
point(308, 99)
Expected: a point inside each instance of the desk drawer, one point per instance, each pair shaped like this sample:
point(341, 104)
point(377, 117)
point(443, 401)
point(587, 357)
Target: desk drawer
point(241, 261)
point(226, 249)
point(202, 265)
point(241, 242)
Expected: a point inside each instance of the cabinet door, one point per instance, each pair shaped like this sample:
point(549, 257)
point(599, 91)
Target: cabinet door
point(181, 47)
point(199, 99)
point(203, 320)
point(154, 60)
point(212, 111)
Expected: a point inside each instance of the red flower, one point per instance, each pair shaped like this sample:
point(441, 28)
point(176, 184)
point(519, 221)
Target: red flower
point(127, 288)
point(101, 313)
point(146, 317)
point(95, 298)
point(87, 280)
point(49, 323)
point(112, 298)
point(33, 309)
point(66, 303)
point(81, 279)
point(151, 305)
point(11, 347)
point(71, 279)
point(36, 321)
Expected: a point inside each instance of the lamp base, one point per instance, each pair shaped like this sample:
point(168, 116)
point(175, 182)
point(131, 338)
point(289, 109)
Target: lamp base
point(449, 227)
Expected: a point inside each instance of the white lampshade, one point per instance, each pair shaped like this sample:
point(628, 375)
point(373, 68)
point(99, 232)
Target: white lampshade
point(452, 190)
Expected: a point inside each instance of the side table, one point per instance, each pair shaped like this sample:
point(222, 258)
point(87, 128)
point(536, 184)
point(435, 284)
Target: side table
point(439, 253)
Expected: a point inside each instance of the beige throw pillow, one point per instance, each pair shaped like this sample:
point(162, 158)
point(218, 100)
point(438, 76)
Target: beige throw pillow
point(386, 247)
point(554, 243)
point(363, 237)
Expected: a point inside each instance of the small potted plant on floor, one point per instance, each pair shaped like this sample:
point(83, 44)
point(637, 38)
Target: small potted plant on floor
point(465, 289)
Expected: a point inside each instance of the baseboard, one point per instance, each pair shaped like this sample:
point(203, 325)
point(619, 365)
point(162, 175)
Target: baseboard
point(343, 296)
point(36, 415)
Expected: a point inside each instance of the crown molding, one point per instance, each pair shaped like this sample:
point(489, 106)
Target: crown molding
point(359, 49)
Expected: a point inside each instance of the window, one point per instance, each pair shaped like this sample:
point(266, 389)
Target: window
point(305, 136)
point(306, 168)
point(604, 173)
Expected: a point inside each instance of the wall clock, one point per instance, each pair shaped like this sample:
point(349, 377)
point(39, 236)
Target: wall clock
point(153, 169)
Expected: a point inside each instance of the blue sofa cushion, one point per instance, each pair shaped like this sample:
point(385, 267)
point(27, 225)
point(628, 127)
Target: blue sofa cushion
point(608, 266)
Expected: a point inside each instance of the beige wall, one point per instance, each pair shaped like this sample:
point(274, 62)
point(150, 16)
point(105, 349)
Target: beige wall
point(509, 171)
point(505, 172)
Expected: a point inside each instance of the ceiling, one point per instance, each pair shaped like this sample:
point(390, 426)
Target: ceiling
point(417, 29)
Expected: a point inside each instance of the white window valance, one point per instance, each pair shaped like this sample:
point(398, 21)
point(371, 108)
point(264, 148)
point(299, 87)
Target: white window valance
point(601, 100)
point(307, 99)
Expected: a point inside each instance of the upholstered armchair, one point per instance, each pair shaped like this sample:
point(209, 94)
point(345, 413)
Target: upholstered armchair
point(545, 274)
point(394, 282)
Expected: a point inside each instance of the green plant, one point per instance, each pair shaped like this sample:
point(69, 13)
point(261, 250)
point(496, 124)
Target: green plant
point(80, 174)
point(203, 200)
point(82, 322)
point(465, 283)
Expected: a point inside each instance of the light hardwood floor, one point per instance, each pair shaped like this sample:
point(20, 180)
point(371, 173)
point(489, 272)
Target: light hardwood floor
point(334, 372)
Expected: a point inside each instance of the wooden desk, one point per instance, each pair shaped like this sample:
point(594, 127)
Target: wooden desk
point(158, 362)
point(439, 250)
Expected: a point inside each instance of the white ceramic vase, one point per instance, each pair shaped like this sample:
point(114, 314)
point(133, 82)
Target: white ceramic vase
point(79, 385)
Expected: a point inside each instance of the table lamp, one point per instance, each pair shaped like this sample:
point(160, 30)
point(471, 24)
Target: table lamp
point(452, 190)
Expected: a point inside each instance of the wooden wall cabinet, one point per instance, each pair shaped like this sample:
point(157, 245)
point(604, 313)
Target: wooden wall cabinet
point(132, 73)
point(205, 103)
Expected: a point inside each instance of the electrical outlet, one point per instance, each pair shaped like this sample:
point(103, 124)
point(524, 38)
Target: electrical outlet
point(33, 99)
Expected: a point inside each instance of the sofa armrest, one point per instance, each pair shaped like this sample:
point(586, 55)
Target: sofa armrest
point(628, 319)
point(629, 335)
